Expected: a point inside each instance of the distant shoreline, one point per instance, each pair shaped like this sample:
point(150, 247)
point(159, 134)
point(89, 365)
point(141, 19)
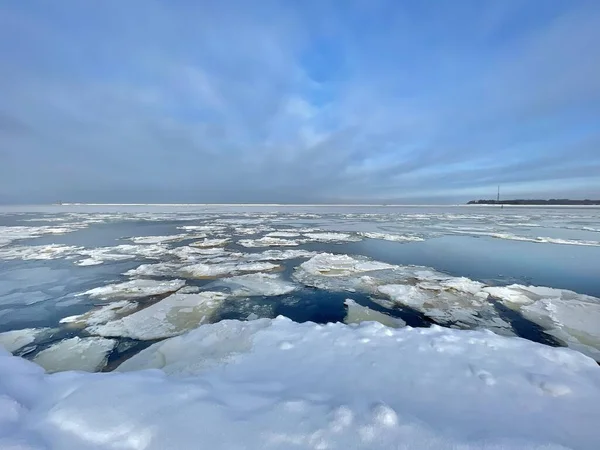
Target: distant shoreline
point(535, 202)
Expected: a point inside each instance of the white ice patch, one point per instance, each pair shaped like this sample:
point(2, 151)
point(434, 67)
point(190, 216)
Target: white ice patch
point(17, 339)
point(102, 314)
point(38, 252)
point(218, 270)
point(391, 237)
point(205, 243)
point(269, 242)
point(259, 284)
point(538, 239)
point(9, 234)
point(278, 255)
point(134, 289)
point(357, 314)
point(283, 234)
point(169, 317)
point(571, 317)
point(86, 354)
point(164, 239)
point(327, 264)
point(332, 237)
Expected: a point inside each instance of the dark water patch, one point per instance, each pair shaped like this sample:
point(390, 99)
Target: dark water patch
point(525, 328)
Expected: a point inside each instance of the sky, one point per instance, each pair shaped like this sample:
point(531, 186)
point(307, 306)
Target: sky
point(299, 101)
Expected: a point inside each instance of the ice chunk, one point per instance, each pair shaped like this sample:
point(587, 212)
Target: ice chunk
point(571, 317)
point(163, 239)
point(103, 314)
point(210, 243)
point(327, 264)
point(259, 284)
point(169, 317)
point(134, 289)
point(406, 294)
point(217, 270)
point(278, 255)
point(358, 314)
point(269, 242)
point(332, 237)
point(86, 354)
point(38, 252)
point(283, 234)
point(391, 237)
point(17, 339)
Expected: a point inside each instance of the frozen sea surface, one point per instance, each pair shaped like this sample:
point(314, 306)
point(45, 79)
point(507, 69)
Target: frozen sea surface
point(137, 274)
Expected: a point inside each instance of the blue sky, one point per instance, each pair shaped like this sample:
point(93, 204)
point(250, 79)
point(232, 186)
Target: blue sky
point(296, 101)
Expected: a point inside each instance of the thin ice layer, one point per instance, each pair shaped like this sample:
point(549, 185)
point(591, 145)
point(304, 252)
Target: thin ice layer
point(135, 289)
point(169, 317)
point(357, 314)
point(87, 354)
point(258, 284)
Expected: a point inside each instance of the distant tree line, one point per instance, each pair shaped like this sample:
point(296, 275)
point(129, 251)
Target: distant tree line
point(552, 201)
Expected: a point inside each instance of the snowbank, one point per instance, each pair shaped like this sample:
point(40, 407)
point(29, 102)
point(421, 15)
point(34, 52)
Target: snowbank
point(275, 384)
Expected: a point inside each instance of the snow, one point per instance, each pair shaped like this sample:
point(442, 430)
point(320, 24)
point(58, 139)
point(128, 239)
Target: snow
point(87, 354)
point(171, 316)
point(357, 314)
point(268, 242)
point(17, 339)
point(391, 237)
point(134, 289)
point(259, 284)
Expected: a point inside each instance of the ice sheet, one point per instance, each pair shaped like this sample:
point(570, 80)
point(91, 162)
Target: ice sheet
point(169, 317)
point(17, 339)
point(87, 354)
point(134, 289)
point(102, 314)
point(391, 237)
point(269, 242)
point(258, 284)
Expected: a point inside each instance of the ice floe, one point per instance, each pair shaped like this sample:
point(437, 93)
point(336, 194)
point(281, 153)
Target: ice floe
point(164, 239)
point(201, 270)
point(538, 239)
point(134, 289)
point(86, 354)
point(390, 237)
point(332, 237)
point(571, 317)
point(210, 243)
point(102, 314)
point(38, 252)
point(267, 241)
point(283, 234)
point(357, 314)
point(171, 316)
point(266, 284)
point(328, 264)
point(17, 339)
point(278, 255)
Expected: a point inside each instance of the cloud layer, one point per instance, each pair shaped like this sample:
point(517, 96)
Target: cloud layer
point(315, 101)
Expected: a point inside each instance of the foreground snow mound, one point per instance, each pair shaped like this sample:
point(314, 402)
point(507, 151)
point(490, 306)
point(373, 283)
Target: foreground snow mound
point(281, 385)
point(171, 316)
point(135, 289)
point(87, 354)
